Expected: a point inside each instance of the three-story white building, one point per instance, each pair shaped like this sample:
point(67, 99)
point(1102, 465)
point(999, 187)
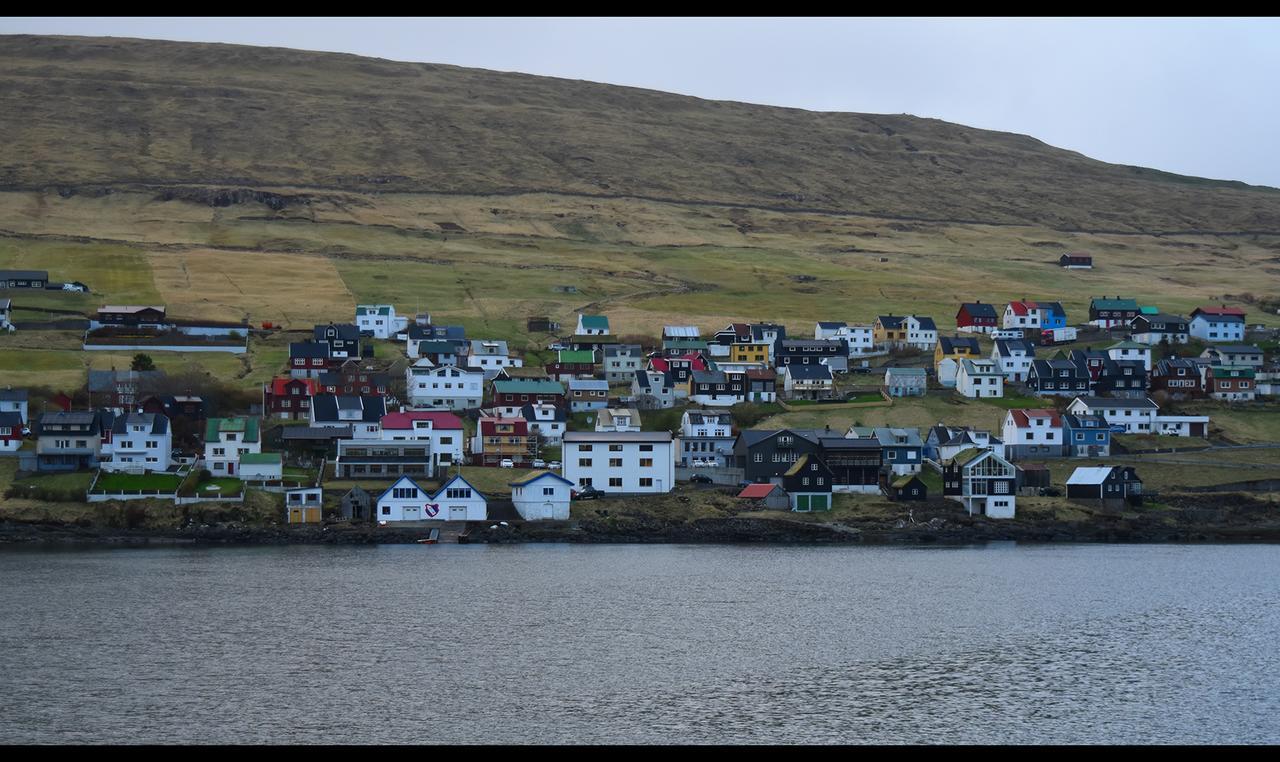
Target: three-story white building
point(446, 387)
point(623, 462)
point(139, 442)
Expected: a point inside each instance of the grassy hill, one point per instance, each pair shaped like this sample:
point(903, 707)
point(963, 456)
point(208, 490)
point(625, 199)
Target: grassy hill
point(237, 182)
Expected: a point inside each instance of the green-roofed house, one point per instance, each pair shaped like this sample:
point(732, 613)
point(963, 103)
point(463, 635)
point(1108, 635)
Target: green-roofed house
point(1232, 384)
point(226, 440)
point(902, 487)
point(592, 325)
point(679, 347)
point(261, 467)
point(1131, 350)
point(572, 363)
point(1112, 312)
point(510, 397)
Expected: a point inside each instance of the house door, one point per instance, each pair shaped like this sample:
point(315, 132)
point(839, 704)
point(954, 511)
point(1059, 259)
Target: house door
point(548, 511)
point(412, 513)
point(457, 513)
point(231, 468)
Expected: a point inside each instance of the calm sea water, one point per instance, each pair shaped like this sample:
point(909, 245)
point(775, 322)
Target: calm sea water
point(607, 644)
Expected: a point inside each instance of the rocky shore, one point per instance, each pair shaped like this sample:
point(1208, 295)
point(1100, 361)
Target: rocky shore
point(1190, 518)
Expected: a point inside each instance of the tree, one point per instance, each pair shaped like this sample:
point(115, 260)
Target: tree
point(142, 362)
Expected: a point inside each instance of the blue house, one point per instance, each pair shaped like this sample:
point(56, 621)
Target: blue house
point(1052, 315)
point(1087, 436)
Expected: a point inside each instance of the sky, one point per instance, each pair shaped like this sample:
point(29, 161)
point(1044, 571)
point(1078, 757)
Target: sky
point(1192, 96)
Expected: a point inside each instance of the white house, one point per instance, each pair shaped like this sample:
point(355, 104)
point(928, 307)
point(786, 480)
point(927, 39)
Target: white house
point(261, 467)
point(362, 412)
point(618, 419)
point(1182, 425)
point(441, 430)
point(548, 421)
point(947, 370)
point(922, 332)
point(1033, 433)
point(807, 381)
point(1159, 328)
point(860, 336)
point(625, 462)
point(592, 325)
point(706, 435)
point(1021, 314)
point(139, 442)
point(542, 496)
point(1014, 358)
point(446, 387)
point(456, 500)
point(1137, 416)
point(1131, 350)
point(979, 378)
point(1217, 326)
point(982, 481)
point(380, 320)
point(488, 355)
point(14, 401)
point(656, 387)
point(225, 440)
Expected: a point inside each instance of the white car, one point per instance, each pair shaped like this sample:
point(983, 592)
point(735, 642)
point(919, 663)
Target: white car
point(506, 463)
point(554, 465)
point(539, 463)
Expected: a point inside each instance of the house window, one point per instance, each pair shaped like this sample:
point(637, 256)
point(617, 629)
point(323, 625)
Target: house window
point(646, 462)
point(646, 482)
point(759, 458)
point(548, 490)
point(584, 462)
point(615, 462)
point(615, 448)
point(386, 510)
point(458, 493)
point(615, 481)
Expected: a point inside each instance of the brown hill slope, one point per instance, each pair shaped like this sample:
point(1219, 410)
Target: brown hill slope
point(102, 111)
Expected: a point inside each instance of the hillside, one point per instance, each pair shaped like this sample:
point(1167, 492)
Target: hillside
point(77, 112)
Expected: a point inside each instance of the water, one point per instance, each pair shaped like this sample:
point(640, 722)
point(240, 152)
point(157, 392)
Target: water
point(611, 644)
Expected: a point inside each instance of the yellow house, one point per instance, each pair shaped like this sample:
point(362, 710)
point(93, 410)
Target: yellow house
point(888, 329)
point(752, 351)
point(955, 348)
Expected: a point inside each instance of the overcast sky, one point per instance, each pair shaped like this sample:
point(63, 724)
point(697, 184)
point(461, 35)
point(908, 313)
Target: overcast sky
point(1192, 96)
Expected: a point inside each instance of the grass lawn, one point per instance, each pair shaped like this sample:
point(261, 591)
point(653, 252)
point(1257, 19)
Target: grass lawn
point(229, 487)
point(120, 482)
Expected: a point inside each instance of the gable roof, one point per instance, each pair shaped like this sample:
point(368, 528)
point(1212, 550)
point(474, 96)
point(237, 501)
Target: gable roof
point(459, 478)
point(1007, 347)
point(153, 422)
point(595, 322)
point(588, 384)
point(400, 481)
point(308, 349)
point(215, 426)
point(325, 407)
point(344, 331)
point(820, 372)
point(1116, 402)
point(528, 386)
point(576, 356)
point(926, 323)
point(1105, 303)
point(1089, 475)
point(13, 395)
point(759, 491)
point(1023, 417)
point(978, 309)
point(953, 344)
point(534, 476)
point(406, 418)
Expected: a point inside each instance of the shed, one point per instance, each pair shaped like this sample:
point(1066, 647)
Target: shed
point(907, 487)
point(773, 496)
point(1033, 477)
point(304, 506)
point(357, 505)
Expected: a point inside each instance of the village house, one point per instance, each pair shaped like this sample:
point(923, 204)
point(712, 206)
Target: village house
point(542, 496)
point(261, 467)
point(982, 481)
point(719, 347)
point(131, 316)
point(10, 432)
point(1112, 484)
point(445, 387)
point(1119, 378)
point(1013, 357)
point(762, 385)
point(859, 338)
point(288, 398)
point(905, 487)
point(342, 339)
point(437, 351)
point(706, 436)
point(1131, 350)
point(980, 378)
point(901, 450)
point(1108, 312)
point(910, 331)
point(1053, 316)
point(353, 378)
point(1159, 329)
point(944, 442)
point(807, 382)
point(956, 349)
point(572, 364)
point(620, 462)
point(419, 442)
point(1136, 416)
point(1238, 356)
point(1058, 377)
point(772, 496)
point(592, 325)
point(139, 442)
point(304, 505)
point(6, 309)
point(1225, 324)
point(680, 369)
point(765, 455)
point(808, 483)
point(488, 356)
point(1076, 261)
point(621, 361)
point(1178, 377)
point(456, 500)
point(716, 387)
point(548, 421)
point(1021, 314)
point(976, 317)
point(906, 382)
point(1087, 436)
point(509, 397)
point(1182, 425)
point(363, 414)
point(854, 463)
point(70, 441)
point(380, 321)
point(750, 351)
point(499, 439)
point(890, 330)
point(177, 407)
point(618, 419)
point(1033, 434)
point(653, 390)
point(14, 401)
point(225, 440)
point(679, 332)
point(1230, 384)
point(594, 344)
point(120, 389)
point(587, 394)
point(309, 359)
point(37, 279)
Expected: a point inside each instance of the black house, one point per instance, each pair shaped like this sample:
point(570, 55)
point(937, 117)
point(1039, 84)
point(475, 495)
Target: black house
point(1120, 483)
point(854, 462)
point(24, 278)
point(343, 339)
point(767, 455)
point(807, 351)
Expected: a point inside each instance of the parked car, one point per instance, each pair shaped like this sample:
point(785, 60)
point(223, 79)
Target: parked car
point(539, 463)
point(506, 463)
point(553, 465)
point(557, 346)
point(700, 479)
point(586, 493)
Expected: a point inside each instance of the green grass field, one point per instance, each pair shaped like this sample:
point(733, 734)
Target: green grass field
point(123, 483)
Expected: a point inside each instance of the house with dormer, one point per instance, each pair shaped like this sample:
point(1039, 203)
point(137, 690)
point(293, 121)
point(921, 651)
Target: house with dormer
point(1112, 312)
point(407, 500)
point(1160, 328)
point(139, 442)
point(225, 440)
point(548, 421)
point(1179, 377)
point(1013, 357)
point(618, 419)
point(653, 390)
point(707, 436)
point(342, 339)
point(363, 413)
point(380, 321)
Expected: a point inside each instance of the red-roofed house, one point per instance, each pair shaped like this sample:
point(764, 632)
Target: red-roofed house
point(1033, 433)
point(681, 369)
point(418, 442)
point(772, 495)
point(289, 398)
point(1021, 314)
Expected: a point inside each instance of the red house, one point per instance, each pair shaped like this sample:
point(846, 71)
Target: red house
point(351, 378)
point(289, 398)
point(310, 359)
point(976, 317)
